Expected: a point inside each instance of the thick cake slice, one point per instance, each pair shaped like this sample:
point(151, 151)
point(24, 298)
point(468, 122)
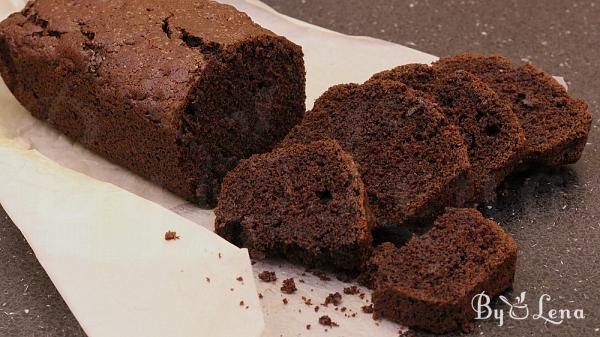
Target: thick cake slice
point(429, 282)
point(490, 129)
point(177, 91)
point(303, 202)
point(409, 156)
point(556, 125)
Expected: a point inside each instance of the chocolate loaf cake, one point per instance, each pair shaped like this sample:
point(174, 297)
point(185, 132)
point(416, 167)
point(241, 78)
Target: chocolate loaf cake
point(306, 203)
point(409, 156)
point(429, 282)
point(177, 91)
point(490, 129)
point(556, 125)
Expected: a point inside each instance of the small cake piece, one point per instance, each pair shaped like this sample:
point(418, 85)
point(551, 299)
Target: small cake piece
point(304, 202)
point(556, 125)
point(429, 282)
point(177, 91)
point(410, 157)
point(490, 129)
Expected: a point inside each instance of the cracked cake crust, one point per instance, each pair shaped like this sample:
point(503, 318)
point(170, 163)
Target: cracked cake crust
point(176, 91)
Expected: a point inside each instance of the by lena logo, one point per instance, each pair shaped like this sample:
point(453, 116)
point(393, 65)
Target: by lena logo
point(519, 310)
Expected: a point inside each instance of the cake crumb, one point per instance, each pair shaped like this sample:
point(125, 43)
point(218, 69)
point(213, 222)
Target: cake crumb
point(208, 279)
point(307, 326)
point(367, 309)
point(362, 296)
point(171, 235)
point(241, 303)
point(267, 276)
point(353, 290)
point(240, 279)
point(321, 275)
point(285, 300)
point(326, 320)
point(334, 299)
point(289, 286)
point(260, 296)
point(317, 308)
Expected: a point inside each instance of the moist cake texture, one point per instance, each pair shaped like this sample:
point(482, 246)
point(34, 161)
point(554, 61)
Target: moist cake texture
point(306, 203)
point(177, 91)
point(409, 156)
point(490, 129)
point(556, 125)
point(429, 282)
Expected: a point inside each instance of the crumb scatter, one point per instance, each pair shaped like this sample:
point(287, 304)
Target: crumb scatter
point(171, 235)
point(289, 286)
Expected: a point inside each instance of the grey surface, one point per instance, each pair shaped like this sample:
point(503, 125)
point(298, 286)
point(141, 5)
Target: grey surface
point(554, 215)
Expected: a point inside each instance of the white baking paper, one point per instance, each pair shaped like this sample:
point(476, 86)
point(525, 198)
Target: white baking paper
point(103, 247)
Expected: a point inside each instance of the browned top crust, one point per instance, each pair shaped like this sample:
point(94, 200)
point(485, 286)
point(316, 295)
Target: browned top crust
point(124, 53)
point(177, 91)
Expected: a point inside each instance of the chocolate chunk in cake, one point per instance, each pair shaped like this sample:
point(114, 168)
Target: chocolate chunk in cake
point(490, 129)
point(409, 155)
point(304, 202)
point(177, 91)
point(556, 125)
point(429, 282)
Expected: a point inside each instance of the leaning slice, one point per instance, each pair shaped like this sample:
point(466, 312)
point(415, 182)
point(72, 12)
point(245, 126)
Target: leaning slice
point(410, 157)
point(306, 203)
point(490, 128)
point(556, 124)
point(429, 282)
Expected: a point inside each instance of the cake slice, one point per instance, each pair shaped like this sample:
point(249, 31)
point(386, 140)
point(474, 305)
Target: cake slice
point(490, 129)
point(409, 156)
point(304, 202)
point(556, 125)
point(429, 282)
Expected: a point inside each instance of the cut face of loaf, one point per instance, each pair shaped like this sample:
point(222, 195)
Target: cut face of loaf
point(429, 282)
point(177, 91)
point(490, 129)
point(556, 125)
point(409, 156)
point(303, 202)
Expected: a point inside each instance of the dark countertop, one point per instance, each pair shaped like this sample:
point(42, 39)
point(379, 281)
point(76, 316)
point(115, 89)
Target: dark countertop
point(554, 215)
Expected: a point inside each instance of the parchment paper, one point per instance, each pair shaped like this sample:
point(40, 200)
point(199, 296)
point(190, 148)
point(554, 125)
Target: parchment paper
point(104, 249)
point(103, 246)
